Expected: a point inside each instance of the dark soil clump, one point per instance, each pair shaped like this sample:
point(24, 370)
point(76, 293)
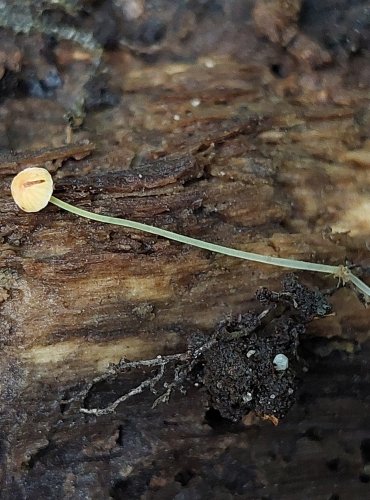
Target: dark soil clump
point(239, 370)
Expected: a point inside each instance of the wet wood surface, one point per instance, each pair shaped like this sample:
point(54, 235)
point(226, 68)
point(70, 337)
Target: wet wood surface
point(216, 147)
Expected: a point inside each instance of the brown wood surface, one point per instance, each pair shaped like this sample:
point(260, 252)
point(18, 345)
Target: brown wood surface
point(215, 146)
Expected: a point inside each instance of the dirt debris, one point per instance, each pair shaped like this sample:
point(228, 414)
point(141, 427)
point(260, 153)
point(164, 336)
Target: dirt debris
point(238, 364)
point(239, 371)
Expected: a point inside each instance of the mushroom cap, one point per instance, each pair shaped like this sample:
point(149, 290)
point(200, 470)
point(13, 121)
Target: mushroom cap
point(32, 189)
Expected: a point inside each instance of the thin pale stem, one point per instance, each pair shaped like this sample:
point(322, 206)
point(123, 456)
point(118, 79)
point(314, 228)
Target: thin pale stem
point(360, 285)
point(212, 247)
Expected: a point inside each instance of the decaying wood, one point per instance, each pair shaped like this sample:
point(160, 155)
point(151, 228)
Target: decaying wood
point(12, 163)
point(222, 149)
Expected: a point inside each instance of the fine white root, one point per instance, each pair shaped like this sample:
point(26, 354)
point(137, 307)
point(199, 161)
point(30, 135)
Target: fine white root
point(160, 362)
point(182, 370)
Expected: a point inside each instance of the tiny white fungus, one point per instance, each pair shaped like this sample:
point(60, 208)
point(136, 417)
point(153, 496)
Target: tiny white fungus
point(32, 189)
point(280, 362)
point(248, 397)
point(209, 63)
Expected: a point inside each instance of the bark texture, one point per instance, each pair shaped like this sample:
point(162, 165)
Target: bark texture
point(236, 122)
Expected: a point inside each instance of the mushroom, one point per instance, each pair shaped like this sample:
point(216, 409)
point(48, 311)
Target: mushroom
point(280, 362)
point(32, 189)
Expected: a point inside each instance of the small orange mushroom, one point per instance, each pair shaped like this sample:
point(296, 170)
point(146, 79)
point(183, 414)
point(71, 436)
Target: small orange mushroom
point(32, 189)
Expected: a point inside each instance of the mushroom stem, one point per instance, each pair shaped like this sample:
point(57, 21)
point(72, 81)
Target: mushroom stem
point(341, 272)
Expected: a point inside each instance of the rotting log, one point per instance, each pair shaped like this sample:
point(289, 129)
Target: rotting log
point(218, 149)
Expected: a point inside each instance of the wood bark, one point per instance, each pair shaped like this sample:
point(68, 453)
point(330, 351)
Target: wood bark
point(219, 148)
